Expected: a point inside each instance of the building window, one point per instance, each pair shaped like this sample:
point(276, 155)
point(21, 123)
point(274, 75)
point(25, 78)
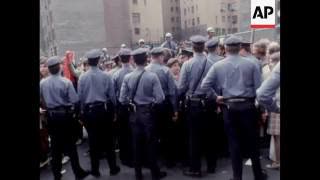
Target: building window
point(234, 30)
point(229, 31)
point(136, 18)
point(171, 0)
point(173, 29)
point(197, 7)
point(145, 2)
point(177, 9)
point(223, 19)
point(192, 9)
point(172, 19)
point(176, 1)
point(188, 9)
point(217, 30)
point(234, 19)
point(198, 20)
point(171, 9)
point(177, 19)
point(137, 31)
point(135, 1)
point(185, 11)
point(229, 18)
point(193, 22)
point(223, 31)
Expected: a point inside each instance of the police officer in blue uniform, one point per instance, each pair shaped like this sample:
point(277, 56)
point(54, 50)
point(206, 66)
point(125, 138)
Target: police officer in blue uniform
point(97, 98)
point(142, 90)
point(125, 142)
point(167, 110)
point(59, 97)
point(245, 51)
point(237, 79)
point(197, 102)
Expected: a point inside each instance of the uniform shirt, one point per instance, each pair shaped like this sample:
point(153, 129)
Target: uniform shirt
point(95, 86)
point(213, 57)
point(253, 59)
point(114, 70)
point(167, 81)
point(118, 77)
point(58, 91)
point(268, 90)
point(148, 91)
point(234, 76)
point(190, 72)
point(170, 45)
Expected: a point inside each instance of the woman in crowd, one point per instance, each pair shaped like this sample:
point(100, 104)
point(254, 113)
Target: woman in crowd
point(274, 120)
point(174, 66)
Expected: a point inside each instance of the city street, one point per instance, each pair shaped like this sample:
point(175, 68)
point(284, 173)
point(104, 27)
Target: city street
point(224, 171)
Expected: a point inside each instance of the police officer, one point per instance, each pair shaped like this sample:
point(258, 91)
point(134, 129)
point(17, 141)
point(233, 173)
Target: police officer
point(117, 65)
point(59, 97)
point(186, 54)
point(210, 32)
point(170, 44)
point(192, 73)
point(245, 51)
point(237, 79)
point(141, 89)
point(125, 142)
point(96, 93)
point(212, 45)
point(142, 44)
point(167, 110)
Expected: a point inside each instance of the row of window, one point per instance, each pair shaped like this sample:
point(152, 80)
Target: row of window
point(222, 31)
point(177, 9)
point(191, 22)
point(175, 1)
point(192, 10)
point(136, 2)
point(177, 19)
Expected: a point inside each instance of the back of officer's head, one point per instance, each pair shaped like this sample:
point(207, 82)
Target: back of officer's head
point(53, 64)
point(212, 45)
point(125, 55)
point(140, 56)
point(157, 53)
point(233, 45)
point(198, 43)
point(93, 57)
point(246, 46)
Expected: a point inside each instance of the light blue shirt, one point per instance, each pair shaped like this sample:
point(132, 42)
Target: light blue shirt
point(149, 88)
point(58, 91)
point(233, 76)
point(166, 79)
point(118, 77)
point(253, 59)
point(213, 57)
point(190, 72)
point(95, 86)
point(268, 89)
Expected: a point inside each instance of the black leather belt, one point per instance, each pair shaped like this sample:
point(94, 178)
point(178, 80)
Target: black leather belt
point(94, 104)
point(61, 109)
point(238, 100)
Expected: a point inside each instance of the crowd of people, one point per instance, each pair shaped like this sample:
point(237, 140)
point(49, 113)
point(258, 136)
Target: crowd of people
point(172, 104)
